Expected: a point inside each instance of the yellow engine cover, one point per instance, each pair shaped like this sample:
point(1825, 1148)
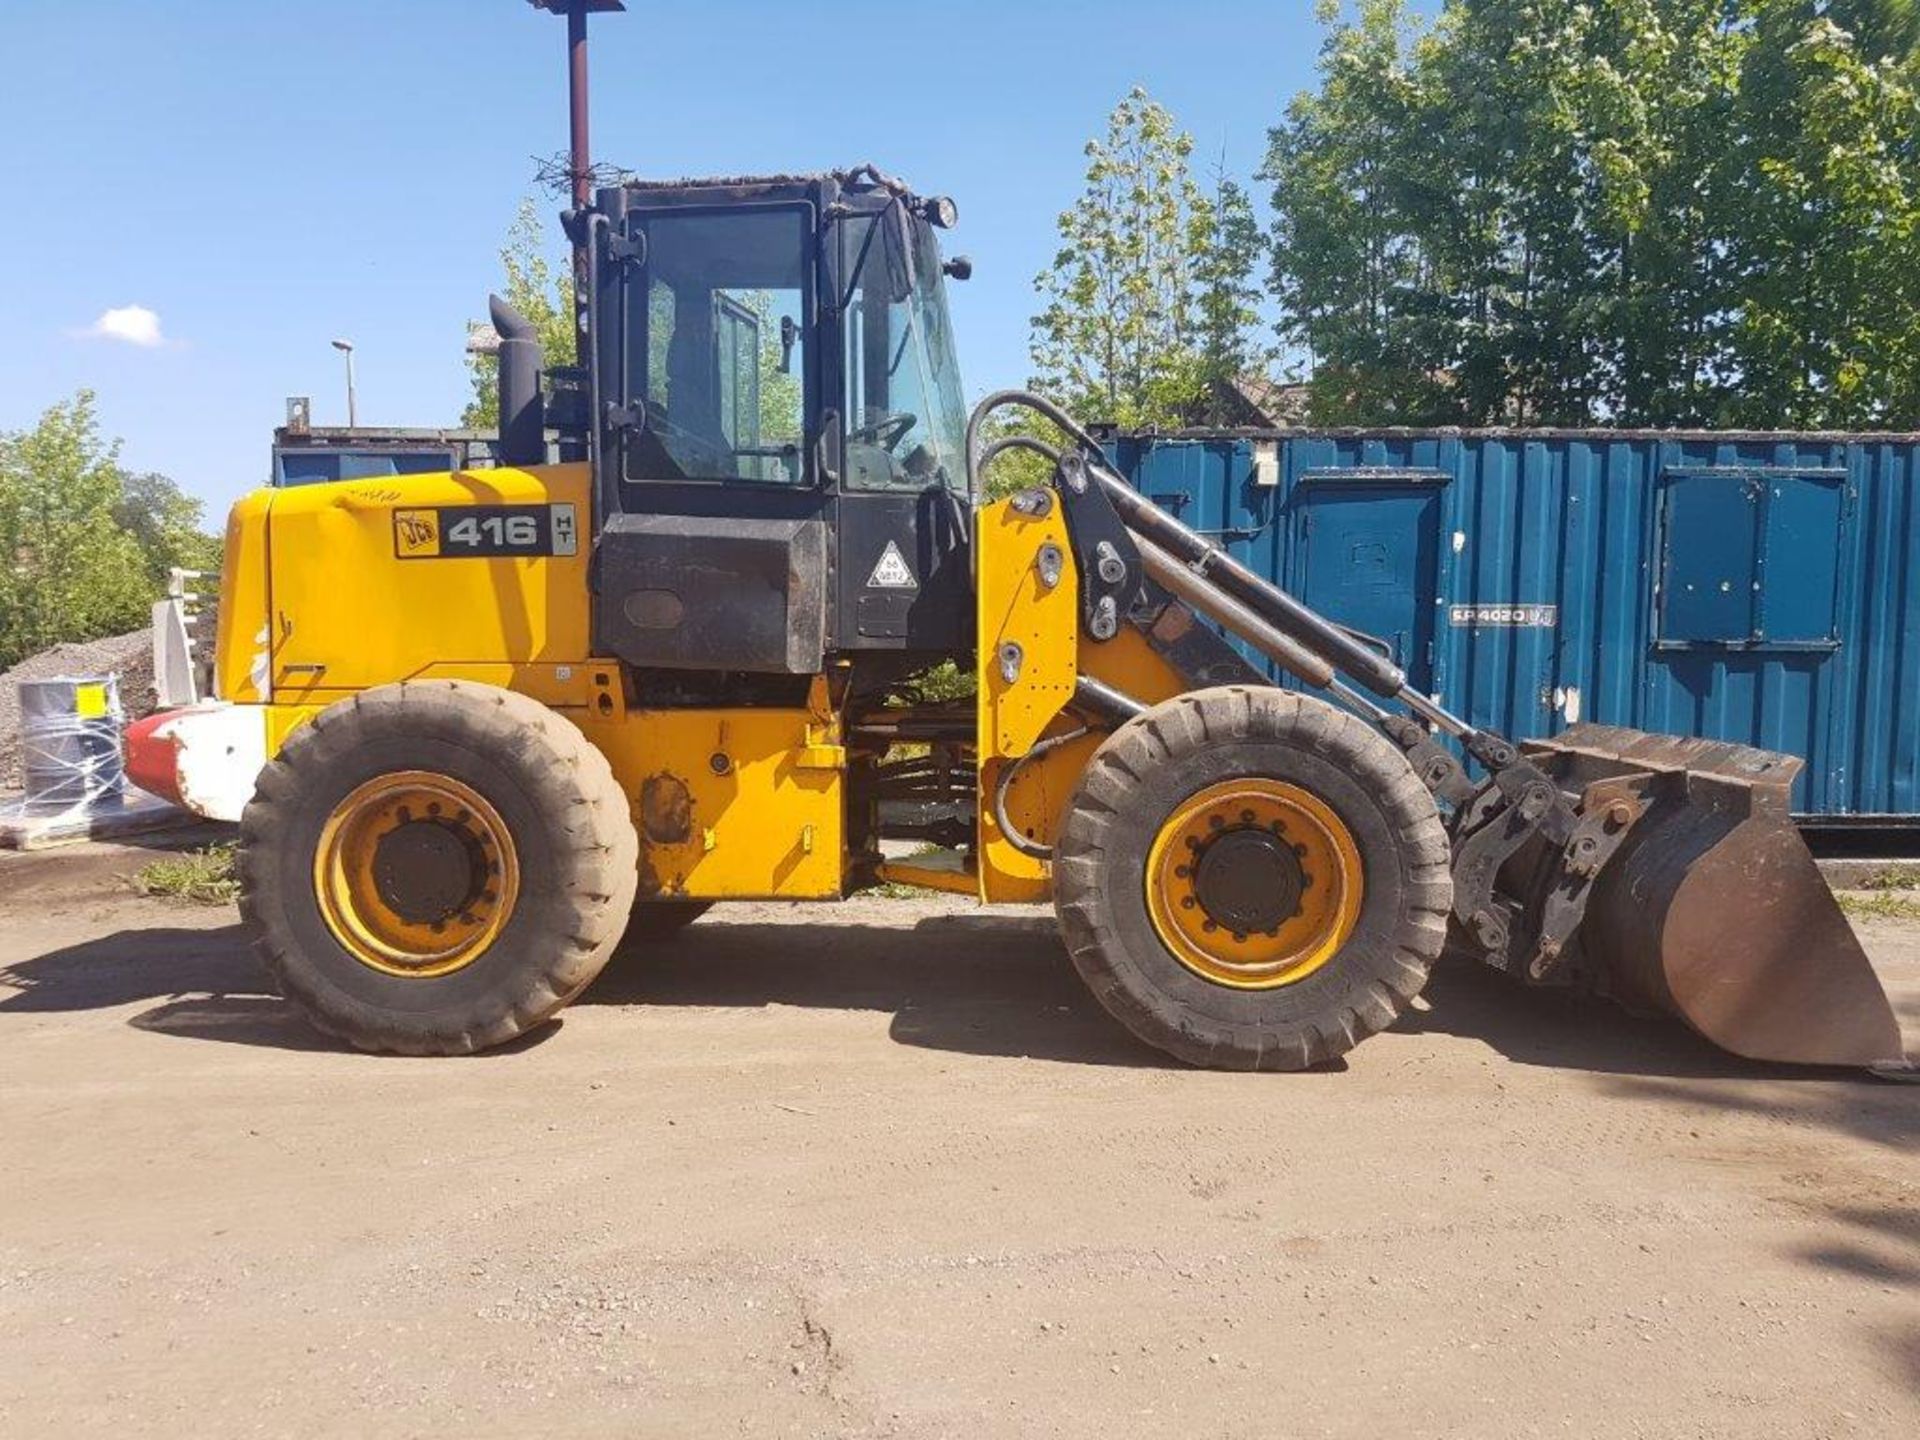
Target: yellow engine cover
point(478, 575)
point(482, 575)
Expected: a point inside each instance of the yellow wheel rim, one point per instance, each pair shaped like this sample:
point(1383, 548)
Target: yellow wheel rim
point(416, 874)
point(1254, 883)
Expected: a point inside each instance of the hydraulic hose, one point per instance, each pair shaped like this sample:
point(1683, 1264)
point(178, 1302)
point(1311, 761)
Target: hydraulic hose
point(1008, 832)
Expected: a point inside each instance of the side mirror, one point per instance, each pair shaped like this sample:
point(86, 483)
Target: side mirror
point(960, 267)
point(789, 334)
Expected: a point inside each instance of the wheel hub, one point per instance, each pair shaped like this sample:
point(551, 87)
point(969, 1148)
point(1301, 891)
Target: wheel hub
point(1254, 883)
point(416, 874)
point(426, 871)
point(1247, 879)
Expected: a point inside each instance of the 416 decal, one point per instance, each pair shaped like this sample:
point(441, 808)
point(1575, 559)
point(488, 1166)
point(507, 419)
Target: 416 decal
point(450, 532)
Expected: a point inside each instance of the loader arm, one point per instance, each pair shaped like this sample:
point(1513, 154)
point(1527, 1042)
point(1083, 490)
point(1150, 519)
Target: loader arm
point(1609, 860)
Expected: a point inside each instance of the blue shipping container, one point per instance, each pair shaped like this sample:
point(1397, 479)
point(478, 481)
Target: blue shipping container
point(1744, 586)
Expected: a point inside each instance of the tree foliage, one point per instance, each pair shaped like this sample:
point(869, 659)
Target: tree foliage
point(87, 547)
point(1606, 211)
point(167, 525)
point(1150, 295)
point(540, 287)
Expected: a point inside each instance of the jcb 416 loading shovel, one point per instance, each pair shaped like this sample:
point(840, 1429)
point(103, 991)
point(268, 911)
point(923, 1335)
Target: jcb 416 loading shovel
point(569, 700)
point(1711, 907)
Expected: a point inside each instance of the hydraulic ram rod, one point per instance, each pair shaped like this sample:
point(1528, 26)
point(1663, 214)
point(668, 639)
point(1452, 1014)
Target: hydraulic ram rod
point(1210, 564)
point(1214, 603)
point(1283, 617)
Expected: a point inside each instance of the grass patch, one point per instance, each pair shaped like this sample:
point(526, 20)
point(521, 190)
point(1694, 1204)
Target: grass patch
point(197, 877)
point(1892, 877)
point(894, 890)
point(1878, 904)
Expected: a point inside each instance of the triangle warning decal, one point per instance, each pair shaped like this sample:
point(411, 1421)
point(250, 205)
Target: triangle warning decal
point(891, 573)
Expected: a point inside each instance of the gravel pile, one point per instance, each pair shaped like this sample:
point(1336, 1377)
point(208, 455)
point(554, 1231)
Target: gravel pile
point(128, 656)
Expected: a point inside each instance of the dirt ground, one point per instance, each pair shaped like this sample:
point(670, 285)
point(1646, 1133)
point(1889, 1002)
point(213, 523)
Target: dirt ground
point(883, 1169)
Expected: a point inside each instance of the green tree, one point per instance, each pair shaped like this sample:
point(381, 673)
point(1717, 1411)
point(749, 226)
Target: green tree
point(1227, 256)
point(1348, 251)
point(1120, 336)
point(540, 287)
point(1644, 212)
point(1828, 331)
point(73, 573)
point(168, 525)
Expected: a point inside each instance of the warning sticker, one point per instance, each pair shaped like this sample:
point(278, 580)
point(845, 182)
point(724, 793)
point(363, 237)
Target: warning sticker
point(892, 572)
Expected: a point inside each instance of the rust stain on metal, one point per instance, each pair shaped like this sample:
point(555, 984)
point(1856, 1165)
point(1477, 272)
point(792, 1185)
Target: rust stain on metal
point(666, 809)
point(1173, 623)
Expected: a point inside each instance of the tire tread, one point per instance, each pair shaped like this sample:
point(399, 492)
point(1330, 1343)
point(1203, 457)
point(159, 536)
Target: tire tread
point(597, 857)
point(1387, 976)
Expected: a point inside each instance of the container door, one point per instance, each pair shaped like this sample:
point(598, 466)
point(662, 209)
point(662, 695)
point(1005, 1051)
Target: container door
point(1747, 608)
point(1367, 556)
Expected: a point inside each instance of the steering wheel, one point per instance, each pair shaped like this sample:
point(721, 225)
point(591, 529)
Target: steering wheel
point(886, 432)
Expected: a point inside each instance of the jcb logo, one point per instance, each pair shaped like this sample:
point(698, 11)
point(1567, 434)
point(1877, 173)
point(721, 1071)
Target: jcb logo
point(416, 534)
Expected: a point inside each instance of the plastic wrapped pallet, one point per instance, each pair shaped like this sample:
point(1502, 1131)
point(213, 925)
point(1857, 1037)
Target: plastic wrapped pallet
point(70, 736)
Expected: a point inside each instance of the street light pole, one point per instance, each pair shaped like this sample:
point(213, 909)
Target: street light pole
point(345, 347)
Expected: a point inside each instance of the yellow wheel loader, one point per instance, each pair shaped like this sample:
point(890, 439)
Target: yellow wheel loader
point(477, 726)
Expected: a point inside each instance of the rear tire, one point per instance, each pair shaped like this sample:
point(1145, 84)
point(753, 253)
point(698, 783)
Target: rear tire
point(1292, 786)
point(442, 933)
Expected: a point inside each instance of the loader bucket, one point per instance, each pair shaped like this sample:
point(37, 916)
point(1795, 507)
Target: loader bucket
point(1713, 910)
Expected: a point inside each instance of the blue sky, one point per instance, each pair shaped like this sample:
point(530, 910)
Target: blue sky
point(265, 176)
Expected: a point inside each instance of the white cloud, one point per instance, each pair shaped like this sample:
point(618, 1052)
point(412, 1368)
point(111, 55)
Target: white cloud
point(129, 324)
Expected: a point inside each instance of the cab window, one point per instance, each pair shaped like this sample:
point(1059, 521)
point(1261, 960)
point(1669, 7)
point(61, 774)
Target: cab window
point(717, 344)
point(906, 418)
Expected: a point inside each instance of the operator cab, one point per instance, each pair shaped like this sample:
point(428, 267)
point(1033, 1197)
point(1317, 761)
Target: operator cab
point(780, 456)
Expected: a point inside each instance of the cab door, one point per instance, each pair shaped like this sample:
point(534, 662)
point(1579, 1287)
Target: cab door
point(903, 531)
point(713, 551)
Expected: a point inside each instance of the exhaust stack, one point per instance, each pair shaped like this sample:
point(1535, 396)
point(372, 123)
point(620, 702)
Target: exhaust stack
point(523, 415)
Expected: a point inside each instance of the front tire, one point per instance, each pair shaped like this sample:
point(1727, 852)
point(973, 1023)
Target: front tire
point(436, 867)
point(1252, 879)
